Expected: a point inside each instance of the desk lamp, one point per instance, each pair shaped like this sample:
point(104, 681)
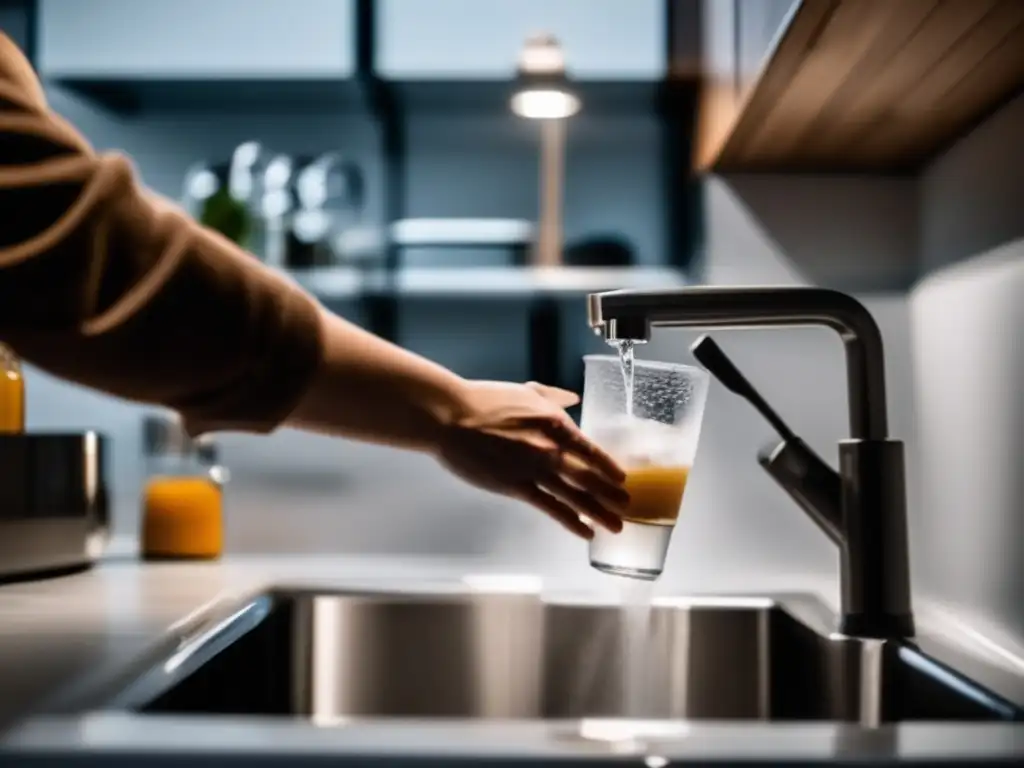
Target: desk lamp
point(543, 93)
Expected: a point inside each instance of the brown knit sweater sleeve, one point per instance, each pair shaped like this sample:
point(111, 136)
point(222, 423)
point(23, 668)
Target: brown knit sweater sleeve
point(104, 285)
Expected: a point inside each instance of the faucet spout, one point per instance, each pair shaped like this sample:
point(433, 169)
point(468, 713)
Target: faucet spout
point(631, 314)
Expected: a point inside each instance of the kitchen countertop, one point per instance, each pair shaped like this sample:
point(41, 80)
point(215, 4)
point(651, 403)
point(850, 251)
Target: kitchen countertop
point(58, 634)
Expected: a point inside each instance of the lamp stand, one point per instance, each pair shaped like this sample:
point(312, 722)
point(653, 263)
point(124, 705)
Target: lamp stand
point(548, 247)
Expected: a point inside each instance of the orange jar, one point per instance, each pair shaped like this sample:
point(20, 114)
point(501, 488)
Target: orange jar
point(183, 496)
point(12, 393)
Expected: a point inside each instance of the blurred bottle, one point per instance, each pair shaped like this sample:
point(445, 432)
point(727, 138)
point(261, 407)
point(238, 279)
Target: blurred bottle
point(245, 177)
point(200, 184)
point(328, 194)
point(183, 498)
point(274, 207)
point(302, 230)
point(12, 393)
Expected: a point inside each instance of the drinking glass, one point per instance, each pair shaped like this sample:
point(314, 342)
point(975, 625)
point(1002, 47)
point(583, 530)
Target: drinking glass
point(654, 439)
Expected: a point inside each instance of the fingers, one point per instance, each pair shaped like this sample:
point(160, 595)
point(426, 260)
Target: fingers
point(559, 510)
point(563, 398)
point(568, 435)
point(564, 430)
point(584, 503)
point(582, 475)
point(584, 479)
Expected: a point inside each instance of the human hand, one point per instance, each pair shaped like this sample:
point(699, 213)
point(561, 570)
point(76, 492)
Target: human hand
point(517, 440)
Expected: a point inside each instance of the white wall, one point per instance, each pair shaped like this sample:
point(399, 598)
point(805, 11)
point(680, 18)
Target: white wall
point(967, 321)
point(854, 233)
point(966, 334)
point(972, 198)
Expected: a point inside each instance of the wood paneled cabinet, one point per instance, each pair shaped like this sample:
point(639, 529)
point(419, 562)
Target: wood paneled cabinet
point(758, 25)
point(851, 85)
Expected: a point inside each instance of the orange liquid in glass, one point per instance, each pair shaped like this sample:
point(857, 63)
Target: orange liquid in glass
point(182, 518)
point(655, 494)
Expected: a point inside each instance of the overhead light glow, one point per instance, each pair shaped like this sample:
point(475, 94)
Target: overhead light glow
point(545, 104)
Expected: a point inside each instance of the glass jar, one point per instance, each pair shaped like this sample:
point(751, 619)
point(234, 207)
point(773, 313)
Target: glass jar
point(12, 393)
point(183, 495)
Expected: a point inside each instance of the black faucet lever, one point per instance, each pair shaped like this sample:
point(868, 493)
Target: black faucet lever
point(812, 484)
point(711, 356)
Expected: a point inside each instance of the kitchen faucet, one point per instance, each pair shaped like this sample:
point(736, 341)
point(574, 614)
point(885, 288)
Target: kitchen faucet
point(862, 507)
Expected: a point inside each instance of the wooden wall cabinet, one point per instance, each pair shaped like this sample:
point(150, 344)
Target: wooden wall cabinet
point(877, 86)
point(758, 24)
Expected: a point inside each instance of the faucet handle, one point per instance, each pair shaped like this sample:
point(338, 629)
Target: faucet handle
point(717, 363)
point(809, 481)
point(812, 484)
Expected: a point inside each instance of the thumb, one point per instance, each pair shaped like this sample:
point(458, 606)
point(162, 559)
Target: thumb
point(563, 398)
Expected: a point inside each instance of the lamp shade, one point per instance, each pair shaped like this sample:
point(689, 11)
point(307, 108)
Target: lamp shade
point(542, 89)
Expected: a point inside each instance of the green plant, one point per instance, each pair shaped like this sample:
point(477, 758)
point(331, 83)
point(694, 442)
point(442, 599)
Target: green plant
point(228, 216)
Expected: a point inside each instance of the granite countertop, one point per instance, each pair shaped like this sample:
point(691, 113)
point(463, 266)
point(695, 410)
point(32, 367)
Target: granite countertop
point(55, 634)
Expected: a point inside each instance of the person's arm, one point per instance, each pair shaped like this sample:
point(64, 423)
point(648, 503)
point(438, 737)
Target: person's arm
point(103, 285)
point(370, 389)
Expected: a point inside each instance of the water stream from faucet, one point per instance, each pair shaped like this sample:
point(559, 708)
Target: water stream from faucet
point(637, 657)
point(626, 359)
point(635, 596)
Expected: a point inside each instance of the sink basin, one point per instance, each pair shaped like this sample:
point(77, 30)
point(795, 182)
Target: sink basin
point(330, 656)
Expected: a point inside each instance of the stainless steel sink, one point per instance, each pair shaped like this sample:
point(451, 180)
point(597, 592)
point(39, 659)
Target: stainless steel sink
point(337, 655)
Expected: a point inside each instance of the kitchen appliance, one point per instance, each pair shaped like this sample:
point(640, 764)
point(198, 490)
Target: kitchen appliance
point(54, 514)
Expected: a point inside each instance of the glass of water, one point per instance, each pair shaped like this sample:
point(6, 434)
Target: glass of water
point(653, 434)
